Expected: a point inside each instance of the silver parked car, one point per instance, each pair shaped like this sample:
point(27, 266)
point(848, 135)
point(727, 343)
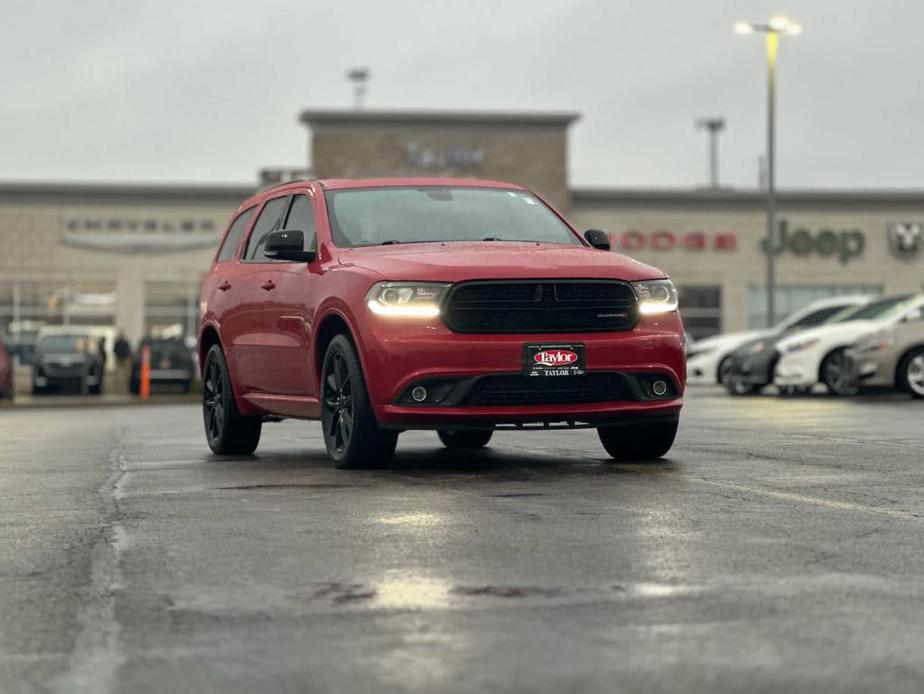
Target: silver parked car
point(893, 356)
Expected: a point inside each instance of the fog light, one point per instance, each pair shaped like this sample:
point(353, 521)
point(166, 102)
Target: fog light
point(419, 393)
point(659, 388)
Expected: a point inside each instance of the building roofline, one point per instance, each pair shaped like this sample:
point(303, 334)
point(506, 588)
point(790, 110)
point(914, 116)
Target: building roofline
point(102, 188)
point(364, 116)
point(750, 197)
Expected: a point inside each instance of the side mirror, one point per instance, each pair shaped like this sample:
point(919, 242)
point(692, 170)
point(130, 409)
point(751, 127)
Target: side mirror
point(287, 244)
point(598, 239)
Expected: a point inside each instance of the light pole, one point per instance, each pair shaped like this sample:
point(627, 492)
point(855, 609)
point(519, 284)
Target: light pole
point(714, 126)
point(772, 30)
point(359, 76)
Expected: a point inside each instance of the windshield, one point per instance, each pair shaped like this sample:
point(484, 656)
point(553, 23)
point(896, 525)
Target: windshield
point(64, 344)
point(376, 216)
point(871, 311)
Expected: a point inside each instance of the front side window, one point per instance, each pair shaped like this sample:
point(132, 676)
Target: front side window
point(234, 235)
point(268, 221)
point(376, 216)
point(301, 217)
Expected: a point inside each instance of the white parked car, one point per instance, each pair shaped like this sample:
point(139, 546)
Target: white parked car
point(709, 359)
point(821, 355)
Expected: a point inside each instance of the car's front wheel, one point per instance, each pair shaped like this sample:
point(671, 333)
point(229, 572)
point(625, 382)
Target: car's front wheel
point(911, 373)
point(351, 434)
point(228, 431)
point(466, 438)
point(837, 373)
point(648, 441)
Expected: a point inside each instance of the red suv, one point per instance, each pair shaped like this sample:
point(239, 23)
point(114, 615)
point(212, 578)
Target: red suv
point(463, 306)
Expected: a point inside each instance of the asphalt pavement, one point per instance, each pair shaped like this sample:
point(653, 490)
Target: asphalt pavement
point(779, 549)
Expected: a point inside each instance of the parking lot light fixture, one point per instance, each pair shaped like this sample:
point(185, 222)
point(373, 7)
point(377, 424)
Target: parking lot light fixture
point(772, 30)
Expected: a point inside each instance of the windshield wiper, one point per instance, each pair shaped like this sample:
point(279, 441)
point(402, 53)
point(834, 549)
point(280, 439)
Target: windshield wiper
point(492, 238)
point(390, 242)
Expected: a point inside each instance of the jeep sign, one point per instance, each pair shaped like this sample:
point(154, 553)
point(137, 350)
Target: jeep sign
point(843, 244)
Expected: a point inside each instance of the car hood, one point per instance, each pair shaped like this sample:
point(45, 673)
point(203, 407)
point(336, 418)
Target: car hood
point(729, 341)
point(847, 333)
point(458, 261)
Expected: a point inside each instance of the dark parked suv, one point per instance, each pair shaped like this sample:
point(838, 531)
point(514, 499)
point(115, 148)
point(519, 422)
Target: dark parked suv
point(172, 364)
point(463, 306)
point(66, 361)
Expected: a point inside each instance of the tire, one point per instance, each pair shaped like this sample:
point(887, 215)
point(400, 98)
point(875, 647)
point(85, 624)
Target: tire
point(640, 443)
point(723, 373)
point(837, 375)
point(227, 431)
point(910, 376)
point(465, 439)
point(737, 387)
point(351, 434)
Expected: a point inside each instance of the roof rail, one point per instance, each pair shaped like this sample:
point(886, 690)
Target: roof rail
point(286, 183)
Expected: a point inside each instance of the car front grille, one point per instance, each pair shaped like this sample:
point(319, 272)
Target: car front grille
point(516, 389)
point(540, 306)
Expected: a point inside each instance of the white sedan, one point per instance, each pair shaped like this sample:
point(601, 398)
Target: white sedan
point(708, 358)
point(821, 355)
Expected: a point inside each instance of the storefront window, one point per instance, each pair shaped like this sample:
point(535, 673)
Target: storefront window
point(701, 308)
point(171, 308)
point(791, 298)
point(54, 302)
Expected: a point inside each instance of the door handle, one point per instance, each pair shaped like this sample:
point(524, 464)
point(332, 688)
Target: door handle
point(268, 285)
point(224, 286)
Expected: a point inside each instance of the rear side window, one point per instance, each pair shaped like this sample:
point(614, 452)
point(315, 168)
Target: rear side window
point(234, 235)
point(267, 221)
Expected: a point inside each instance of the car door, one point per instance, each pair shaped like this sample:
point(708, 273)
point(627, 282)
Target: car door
point(247, 327)
point(290, 288)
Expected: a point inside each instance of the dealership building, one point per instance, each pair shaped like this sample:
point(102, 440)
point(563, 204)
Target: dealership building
point(132, 256)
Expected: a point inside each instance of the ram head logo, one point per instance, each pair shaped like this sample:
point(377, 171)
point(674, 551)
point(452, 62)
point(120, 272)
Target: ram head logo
point(906, 238)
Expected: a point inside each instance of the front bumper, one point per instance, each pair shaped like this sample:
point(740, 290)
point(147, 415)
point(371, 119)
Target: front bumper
point(797, 370)
point(398, 355)
point(703, 369)
point(875, 368)
point(754, 369)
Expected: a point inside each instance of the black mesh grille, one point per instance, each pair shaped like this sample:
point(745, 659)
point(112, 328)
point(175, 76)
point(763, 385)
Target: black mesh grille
point(541, 307)
point(514, 389)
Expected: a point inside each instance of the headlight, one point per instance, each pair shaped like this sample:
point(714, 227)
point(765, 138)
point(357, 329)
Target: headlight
point(406, 299)
point(875, 343)
point(655, 297)
point(802, 345)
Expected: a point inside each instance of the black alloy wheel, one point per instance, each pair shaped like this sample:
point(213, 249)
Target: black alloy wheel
point(228, 431)
point(338, 404)
point(351, 434)
point(465, 438)
point(837, 374)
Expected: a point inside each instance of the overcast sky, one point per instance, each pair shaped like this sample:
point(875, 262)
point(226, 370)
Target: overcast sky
point(209, 91)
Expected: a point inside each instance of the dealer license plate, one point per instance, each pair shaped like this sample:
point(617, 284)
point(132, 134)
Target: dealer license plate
point(553, 359)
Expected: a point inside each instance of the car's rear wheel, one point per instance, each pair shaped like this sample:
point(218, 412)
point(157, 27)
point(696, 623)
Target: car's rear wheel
point(647, 441)
point(467, 438)
point(837, 373)
point(228, 431)
point(351, 434)
point(911, 373)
